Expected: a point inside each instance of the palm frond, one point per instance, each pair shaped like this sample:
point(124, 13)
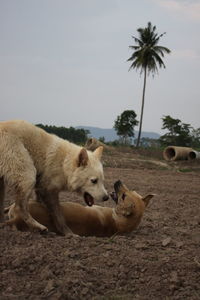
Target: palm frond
point(158, 38)
point(162, 50)
point(135, 55)
point(134, 47)
point(158, 60)
point(137, 40)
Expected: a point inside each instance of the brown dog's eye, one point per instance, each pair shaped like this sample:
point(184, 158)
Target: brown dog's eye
point(94, 180)
point(123, 196)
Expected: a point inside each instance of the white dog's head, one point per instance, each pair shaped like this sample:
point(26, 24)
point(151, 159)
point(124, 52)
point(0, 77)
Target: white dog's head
point(88, 177)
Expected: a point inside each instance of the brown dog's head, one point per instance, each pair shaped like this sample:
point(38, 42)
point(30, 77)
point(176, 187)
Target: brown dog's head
point(130, 204)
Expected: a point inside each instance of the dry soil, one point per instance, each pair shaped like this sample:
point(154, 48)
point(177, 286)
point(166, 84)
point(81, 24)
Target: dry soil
point(159, 260)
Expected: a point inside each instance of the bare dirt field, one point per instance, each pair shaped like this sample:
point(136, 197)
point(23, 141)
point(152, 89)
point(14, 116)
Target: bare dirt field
point(159, 260)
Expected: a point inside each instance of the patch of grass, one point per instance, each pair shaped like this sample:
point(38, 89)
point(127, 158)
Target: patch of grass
point(150, 152)
point(185, 170)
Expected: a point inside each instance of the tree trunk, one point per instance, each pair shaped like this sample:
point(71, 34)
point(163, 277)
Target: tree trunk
point(142, 108)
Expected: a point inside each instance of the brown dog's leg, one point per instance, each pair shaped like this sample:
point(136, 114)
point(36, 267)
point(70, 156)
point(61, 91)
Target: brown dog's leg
point(51, 201)
point(2, 194)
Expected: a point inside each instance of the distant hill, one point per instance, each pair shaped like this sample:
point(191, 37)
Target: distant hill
point(110, 134)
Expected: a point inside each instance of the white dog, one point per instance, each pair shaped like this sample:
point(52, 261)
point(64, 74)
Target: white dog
point(31, 160)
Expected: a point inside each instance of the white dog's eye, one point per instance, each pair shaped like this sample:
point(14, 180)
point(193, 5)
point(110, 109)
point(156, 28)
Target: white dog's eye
point(95, 180)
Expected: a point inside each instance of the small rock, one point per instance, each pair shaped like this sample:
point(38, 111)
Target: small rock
point(49, 287)
point(31, 268)
point(143, 270)
point(106, 255)
point(85, 291)
point(110, 263)
point(46, 273)
point(28, 285)
point(140, 246)
point(174, 277)
point(67, 252)
point(179, 244)
point(197, 261)
point(9, 289)
point(166, 241)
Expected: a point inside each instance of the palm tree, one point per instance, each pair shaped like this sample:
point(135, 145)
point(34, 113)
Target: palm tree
point(147, 57)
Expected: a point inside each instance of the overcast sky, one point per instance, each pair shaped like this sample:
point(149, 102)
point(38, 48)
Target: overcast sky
point(64, 62)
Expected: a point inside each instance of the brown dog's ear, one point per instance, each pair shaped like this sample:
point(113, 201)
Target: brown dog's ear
point(147, 198)
point(82, 158)
point(98, 152)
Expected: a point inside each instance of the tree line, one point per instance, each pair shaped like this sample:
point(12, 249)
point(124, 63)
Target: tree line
point(77, 136)
point(178, 133)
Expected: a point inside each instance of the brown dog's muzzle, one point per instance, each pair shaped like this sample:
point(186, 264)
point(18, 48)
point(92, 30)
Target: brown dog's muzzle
point(114, 195)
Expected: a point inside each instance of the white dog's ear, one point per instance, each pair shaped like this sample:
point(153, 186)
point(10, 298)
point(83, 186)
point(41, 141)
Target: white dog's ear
point(82, 158)
point(147, 198)
point(98, 152)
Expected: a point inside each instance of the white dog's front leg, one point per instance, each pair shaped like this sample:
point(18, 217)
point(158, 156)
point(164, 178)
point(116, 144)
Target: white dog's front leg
point(51, 200)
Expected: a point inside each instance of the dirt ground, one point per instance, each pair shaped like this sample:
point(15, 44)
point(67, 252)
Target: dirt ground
point(159, 260)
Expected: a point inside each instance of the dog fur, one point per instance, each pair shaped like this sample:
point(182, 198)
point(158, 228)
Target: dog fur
point(92, 221)
point(31, 160)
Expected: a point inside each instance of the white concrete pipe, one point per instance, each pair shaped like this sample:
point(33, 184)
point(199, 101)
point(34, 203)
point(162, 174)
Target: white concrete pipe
point(172, 153)
point(194, 155)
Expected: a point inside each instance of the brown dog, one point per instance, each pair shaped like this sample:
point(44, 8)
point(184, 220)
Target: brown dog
point(94, 220)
